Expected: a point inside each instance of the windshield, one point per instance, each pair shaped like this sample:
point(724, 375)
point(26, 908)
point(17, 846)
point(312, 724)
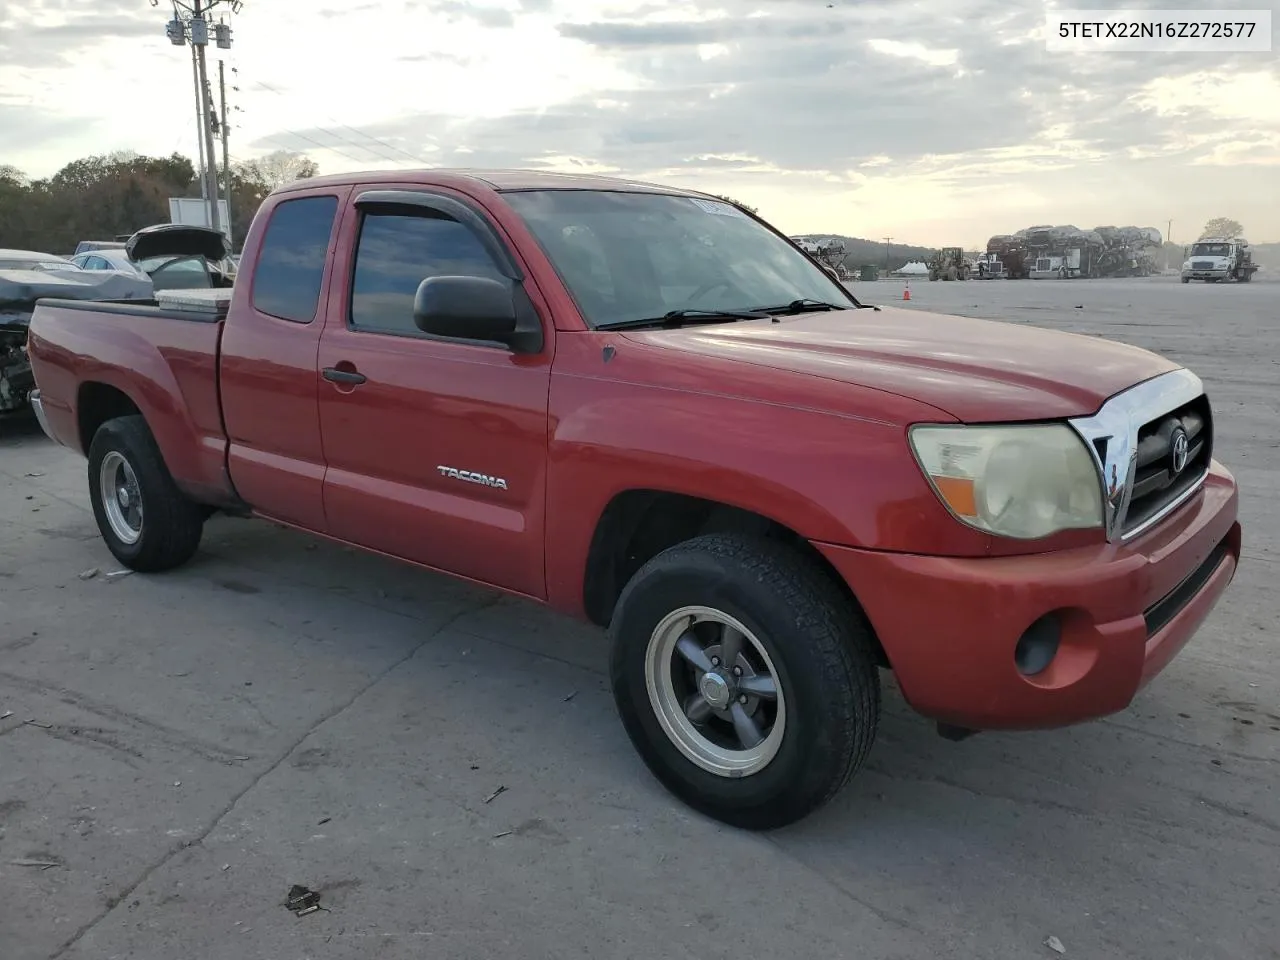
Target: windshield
point(185, 264)
point(631, 256)
point(1211, 250)
point(177, 273)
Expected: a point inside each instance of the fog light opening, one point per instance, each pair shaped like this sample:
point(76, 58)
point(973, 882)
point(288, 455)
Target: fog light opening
point(1038, 645)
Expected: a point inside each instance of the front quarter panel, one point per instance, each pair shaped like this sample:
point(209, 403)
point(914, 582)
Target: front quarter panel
point(634, 421)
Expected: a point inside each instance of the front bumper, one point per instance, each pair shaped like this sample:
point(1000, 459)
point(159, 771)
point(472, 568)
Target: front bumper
point(950, 626)
point(1206, 274)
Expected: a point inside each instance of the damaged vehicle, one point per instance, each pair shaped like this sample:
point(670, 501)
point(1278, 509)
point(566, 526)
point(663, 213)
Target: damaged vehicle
point(25, 277)
point(173, 256)
point(180, 257)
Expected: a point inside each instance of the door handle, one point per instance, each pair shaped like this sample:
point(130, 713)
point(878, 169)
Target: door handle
point(336, 375)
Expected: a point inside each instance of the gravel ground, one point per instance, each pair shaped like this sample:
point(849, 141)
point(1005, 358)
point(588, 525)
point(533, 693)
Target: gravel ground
point(283, 711)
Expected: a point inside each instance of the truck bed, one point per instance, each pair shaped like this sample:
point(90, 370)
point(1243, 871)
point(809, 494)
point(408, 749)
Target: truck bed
point(94, 360)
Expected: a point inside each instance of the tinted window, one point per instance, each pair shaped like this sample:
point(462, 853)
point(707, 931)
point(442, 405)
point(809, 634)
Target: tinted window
point(286, 280)
point(631, 256)
point(396, 253)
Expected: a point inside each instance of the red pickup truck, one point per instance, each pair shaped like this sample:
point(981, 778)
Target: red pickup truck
point(647, 408)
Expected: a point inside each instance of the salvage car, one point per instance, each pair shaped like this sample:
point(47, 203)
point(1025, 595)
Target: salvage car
point(33, 260)
point(646, 408)
point(173, 256)
point(26, 276)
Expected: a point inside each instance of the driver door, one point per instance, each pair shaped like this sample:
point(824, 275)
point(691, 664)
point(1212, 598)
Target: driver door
point(436, 449)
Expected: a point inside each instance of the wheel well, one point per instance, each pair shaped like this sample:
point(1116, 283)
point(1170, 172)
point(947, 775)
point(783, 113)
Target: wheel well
point(637, 525)
point(96, 404)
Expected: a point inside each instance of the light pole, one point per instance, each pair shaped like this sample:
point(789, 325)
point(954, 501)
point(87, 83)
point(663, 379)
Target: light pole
point(190, 22)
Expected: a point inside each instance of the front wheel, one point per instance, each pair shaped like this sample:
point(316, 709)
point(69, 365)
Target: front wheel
point(146, 521)
point(744, 678)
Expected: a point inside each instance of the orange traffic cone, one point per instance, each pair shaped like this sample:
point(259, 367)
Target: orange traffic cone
point(906, 290)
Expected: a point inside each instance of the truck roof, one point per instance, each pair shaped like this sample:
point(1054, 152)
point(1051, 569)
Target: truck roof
point(500, 180)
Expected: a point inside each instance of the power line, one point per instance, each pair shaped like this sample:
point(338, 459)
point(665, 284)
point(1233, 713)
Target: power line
point(322, 146)
point(358, 132)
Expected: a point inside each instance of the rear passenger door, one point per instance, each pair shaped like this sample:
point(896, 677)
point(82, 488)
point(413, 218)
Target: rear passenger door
point(268, 373)
point(436, 448)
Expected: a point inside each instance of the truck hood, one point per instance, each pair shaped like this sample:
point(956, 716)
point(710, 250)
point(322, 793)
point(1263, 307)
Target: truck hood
point(975, 370)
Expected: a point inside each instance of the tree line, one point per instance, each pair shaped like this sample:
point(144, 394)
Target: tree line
point(102, 197)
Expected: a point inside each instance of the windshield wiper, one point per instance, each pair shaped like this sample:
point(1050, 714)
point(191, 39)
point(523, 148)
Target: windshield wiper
point(678, 318)
point(805, 305)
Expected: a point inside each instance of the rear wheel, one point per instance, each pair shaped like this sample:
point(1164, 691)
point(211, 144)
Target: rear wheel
point(146, 521)
point(744, 678)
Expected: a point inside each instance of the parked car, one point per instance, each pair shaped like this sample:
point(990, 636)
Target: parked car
point(25, 276)
point(647, 408)
point(92, 246)
point(34, 260)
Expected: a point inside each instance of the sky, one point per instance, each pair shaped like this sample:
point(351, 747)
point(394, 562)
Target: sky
point(933, 122)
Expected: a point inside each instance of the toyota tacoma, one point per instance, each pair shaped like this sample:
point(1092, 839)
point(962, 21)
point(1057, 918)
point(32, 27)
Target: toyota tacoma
point(647, 408)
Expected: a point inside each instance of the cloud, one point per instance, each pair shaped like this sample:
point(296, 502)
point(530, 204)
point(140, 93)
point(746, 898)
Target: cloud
point(24, 123)
point(29, 38)
point(866, 112)
point(484, 15)
point(807, 87)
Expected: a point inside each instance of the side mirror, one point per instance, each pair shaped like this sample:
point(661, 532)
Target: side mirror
point(465, 308)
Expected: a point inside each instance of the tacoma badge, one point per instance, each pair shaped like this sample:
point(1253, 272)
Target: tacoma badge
point(453, 473)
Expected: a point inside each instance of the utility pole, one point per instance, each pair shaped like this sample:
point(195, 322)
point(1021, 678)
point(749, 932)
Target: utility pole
point(226, 158)
point(1168, 239)
point(195, 81)
point(887, 265)
point(191, 22)
point(200, 32)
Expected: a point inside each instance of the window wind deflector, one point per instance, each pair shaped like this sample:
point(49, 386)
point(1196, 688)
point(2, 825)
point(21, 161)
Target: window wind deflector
point(678, 318)
point(454, 210)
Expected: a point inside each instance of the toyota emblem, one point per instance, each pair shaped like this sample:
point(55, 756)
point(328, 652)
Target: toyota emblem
point(1181, 452)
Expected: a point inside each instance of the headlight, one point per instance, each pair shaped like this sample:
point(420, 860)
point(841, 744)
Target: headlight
point(1020, 481)
point(1186, 265)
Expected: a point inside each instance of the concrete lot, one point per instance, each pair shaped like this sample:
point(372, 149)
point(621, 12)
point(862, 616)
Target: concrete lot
point(283, 712)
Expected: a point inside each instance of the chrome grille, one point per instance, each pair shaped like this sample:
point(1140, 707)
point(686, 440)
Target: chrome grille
point(1163, 473)
point(1136, 438)
point(1201, 264)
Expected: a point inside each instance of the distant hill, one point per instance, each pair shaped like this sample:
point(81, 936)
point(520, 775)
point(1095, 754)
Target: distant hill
point(1267, 255)
point(859, 251)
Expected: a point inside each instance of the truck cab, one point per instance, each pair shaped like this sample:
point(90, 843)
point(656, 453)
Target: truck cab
point(1219, 258)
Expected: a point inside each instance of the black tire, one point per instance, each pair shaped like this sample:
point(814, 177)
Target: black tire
point(171, 525)
point(821, 649)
